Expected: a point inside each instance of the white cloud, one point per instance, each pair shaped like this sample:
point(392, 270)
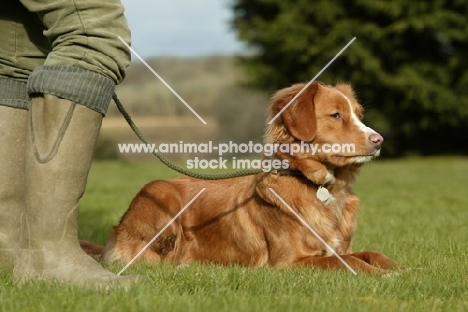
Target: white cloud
point(181, 27)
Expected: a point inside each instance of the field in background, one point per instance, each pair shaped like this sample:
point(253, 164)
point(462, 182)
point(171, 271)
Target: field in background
point(413, 210)
point(210, 85)
point(171, 129)
point(202, 82)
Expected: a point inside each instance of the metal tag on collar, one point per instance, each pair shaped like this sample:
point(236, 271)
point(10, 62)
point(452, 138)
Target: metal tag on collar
point(323, 195)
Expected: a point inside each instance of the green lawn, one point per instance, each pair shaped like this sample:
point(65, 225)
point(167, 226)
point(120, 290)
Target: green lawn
point(413, 210)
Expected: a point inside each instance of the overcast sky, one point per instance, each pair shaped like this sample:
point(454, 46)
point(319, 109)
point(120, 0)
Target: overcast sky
point(181, 27)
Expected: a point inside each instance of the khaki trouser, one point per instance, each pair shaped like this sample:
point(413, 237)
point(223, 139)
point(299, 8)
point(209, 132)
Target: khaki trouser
point(58, 35)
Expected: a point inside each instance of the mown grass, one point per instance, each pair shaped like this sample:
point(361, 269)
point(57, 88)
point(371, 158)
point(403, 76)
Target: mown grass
point(413, 210)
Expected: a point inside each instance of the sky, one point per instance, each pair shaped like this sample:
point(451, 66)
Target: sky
point(181, 27)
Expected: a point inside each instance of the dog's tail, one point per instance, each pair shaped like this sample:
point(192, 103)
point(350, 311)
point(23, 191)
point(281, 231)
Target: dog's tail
point(92, 249)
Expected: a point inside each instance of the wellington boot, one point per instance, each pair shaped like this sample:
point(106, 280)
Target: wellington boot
point(13, 128)
point(61, 140)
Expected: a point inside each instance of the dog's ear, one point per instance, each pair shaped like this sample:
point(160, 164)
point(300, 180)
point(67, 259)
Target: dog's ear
point(299, 117)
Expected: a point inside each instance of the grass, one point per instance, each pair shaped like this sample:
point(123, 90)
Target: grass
point(413, 210)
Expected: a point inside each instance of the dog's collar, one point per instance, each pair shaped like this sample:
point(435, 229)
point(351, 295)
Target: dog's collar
point(297, 173)
point(288, 172)
point(322, 192)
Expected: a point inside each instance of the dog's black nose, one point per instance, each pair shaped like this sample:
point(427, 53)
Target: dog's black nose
point(376, 139)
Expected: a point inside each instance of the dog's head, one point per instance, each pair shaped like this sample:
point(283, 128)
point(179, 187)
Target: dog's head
point(329, 117)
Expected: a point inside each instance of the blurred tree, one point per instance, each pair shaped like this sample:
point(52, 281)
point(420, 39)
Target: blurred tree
point(408, 65)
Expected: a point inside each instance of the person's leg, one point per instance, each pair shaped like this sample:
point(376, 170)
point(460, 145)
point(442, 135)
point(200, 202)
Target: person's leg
point(16, 63)
point(69, 95)
point(59, 154)
point(85, 34)
point(13, 127)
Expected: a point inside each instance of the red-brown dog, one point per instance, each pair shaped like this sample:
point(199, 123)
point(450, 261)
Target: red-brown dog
point(242, 221)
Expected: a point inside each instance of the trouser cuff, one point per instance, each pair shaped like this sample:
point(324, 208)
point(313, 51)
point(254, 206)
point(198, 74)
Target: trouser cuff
point(82, 86)
point(13, 93)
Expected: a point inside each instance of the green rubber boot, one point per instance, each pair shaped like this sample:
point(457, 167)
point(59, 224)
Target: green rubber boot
point(13, 128)
point(59, 151)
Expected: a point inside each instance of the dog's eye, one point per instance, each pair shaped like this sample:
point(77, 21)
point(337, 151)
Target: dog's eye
point(336, 115)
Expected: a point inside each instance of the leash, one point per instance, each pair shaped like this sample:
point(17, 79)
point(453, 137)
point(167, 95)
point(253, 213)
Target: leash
point(168, 163)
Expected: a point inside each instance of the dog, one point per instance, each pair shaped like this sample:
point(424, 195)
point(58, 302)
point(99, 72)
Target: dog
point(246, 220)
